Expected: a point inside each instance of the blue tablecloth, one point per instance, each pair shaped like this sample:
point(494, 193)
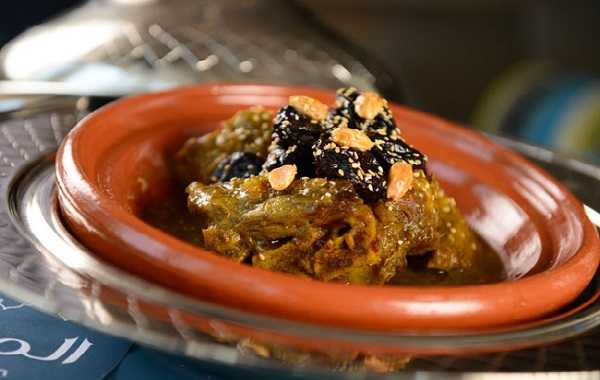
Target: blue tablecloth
point(34, 345)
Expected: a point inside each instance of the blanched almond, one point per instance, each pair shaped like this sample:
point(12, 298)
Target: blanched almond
point(309, 107)
point(369, 104)
point(280, 178)
point(352, 138)
point(400, 180)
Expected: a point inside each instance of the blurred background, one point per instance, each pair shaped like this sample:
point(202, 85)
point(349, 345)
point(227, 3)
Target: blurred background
point(527, 69)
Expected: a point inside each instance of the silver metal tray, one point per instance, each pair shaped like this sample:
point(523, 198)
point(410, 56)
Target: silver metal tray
point(42, 265)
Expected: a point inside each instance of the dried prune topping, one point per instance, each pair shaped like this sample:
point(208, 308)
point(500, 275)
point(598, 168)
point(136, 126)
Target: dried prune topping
point(301, 156)
point(291, 128)
point(344, 113)
point(361, 168)
point(319, 148)
point(293, 137)
point(237, 165)
point(389, 146)
point(345, 108)
point(390, 149)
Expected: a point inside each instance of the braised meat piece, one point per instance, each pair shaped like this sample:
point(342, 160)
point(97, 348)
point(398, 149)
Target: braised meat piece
point(315, 227)
point(322, 229)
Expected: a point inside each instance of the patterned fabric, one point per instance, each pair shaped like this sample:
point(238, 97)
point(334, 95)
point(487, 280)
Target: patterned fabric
point(34, 345)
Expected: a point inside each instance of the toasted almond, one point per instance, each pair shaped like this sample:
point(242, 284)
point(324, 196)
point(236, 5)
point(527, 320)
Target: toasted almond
point(400, 180)
point(309, 107)
point(369, 104)
point(352, 138)
point(280, 178)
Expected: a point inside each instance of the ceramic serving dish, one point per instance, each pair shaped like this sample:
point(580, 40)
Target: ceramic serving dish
point(116, 160)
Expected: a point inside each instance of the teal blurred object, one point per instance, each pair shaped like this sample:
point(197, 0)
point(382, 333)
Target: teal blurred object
point(538, 103)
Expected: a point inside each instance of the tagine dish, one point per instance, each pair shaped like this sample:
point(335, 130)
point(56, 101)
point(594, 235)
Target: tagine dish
point(328, 209)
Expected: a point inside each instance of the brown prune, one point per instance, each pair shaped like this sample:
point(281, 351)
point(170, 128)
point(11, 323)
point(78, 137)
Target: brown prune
point(389, 147)
point(302, 157)
point(293, 137)
point(237, 165)
point(361, 168)
point(291, 127)
point(346, 109)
